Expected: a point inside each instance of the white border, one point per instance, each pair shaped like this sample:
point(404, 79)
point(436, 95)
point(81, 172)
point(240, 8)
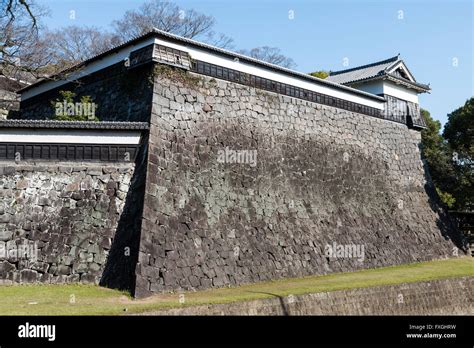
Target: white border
point(66, 136)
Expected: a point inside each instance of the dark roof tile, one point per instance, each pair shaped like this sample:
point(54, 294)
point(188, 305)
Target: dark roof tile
point(373, 71)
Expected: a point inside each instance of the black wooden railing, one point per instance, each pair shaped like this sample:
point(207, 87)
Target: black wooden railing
point(236, 76)
point(68, 152)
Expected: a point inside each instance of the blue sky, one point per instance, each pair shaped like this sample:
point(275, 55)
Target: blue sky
point(435, 38)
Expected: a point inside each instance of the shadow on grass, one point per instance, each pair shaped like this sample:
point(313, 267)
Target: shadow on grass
point(283, 304)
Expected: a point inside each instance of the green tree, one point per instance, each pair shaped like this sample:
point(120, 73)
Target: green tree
point(450, 157)
point(438, 159)
point(459, 130)
point(322, 74)
point(459, 134)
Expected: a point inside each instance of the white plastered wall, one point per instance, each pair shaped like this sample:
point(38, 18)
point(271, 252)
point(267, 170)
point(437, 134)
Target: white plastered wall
point(400, 92)
point(65, 136)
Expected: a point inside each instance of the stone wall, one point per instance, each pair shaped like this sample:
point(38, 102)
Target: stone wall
point(322, 176)
point(436, 297)
point(120, 94)
point(234, 185)
point(58, 220)
point(8, 101)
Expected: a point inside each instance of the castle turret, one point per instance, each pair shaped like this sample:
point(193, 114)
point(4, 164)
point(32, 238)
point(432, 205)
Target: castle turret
point(392, 80)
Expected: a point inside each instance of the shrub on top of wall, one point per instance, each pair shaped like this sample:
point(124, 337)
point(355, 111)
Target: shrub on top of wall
point(66, 109)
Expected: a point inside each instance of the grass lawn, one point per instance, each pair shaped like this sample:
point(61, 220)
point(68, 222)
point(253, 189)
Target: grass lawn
point(93, 300)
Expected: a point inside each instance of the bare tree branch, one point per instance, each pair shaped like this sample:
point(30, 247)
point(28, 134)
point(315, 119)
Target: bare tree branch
point(19, 38)
point(169, 17)
point(219, 40)
point(28, 9)
point(74, 44)
point(270, 55)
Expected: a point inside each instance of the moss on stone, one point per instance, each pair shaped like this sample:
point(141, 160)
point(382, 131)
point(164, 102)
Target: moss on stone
point(176, 75)
point(272, 98)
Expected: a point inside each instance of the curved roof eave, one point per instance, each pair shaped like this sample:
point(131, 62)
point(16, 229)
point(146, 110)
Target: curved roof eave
point(414, 85)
